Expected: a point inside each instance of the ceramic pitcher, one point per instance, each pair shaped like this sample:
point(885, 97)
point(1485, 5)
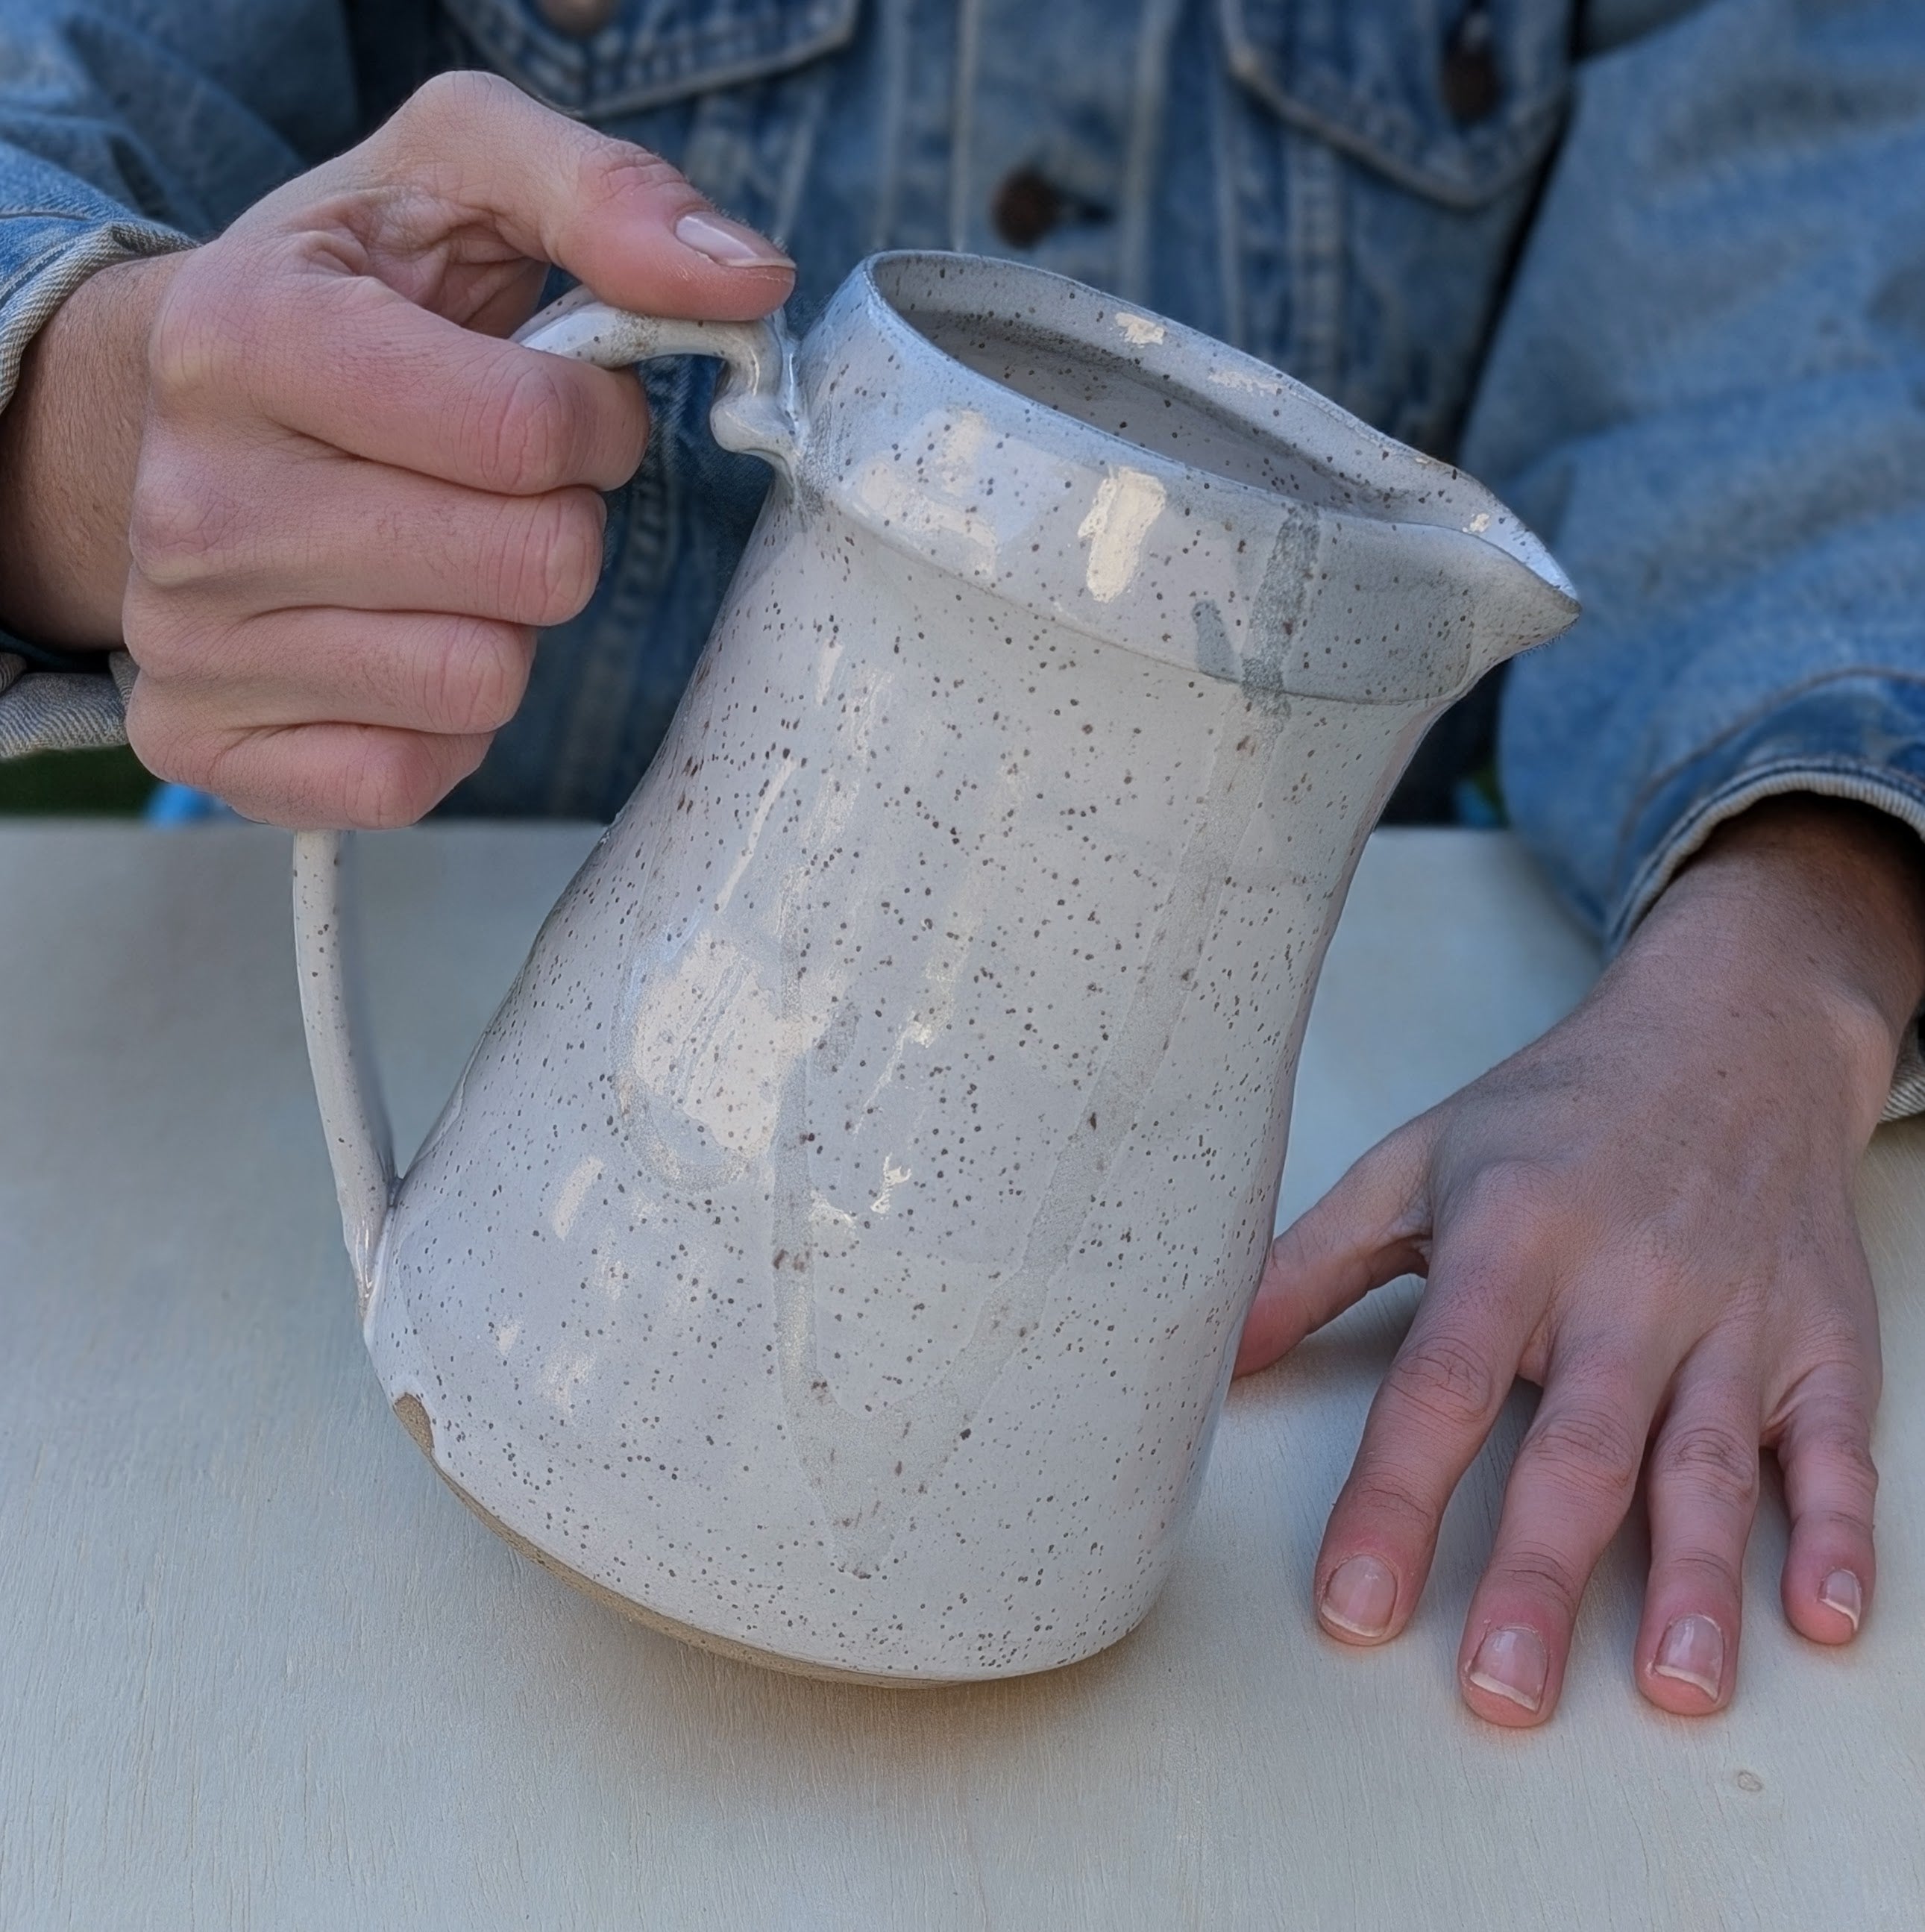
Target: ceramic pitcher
point(835, 1249)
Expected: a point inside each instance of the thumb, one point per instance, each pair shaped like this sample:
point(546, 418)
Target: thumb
point(1367, 1230)
point(613, 215)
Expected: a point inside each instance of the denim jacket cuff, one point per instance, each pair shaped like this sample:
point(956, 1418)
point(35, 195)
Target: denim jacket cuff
point(44, 257)
point(62, 710)
point(1731, 778)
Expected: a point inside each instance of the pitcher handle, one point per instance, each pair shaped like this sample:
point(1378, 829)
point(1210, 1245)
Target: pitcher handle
point(753, 411)
point(361, 1144)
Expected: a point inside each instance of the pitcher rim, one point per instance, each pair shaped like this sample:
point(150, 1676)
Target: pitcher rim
point(1420, 488)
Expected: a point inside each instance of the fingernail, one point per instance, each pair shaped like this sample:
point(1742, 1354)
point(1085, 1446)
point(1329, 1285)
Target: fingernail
point(728, 242)
point(1510, 1662)
point(1693, 1652)
point(1360, 1596)
point(1842, 1591)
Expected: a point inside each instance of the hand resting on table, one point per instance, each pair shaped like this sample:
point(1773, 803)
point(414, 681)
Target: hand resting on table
point(1648, 1212)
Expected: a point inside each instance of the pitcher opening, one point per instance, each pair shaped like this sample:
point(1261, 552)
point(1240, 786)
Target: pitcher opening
point(1161, 387)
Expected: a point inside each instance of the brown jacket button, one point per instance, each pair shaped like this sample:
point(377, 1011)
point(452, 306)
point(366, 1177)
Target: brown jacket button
point(1027, 207)
point(578, 19)
point(1469, 78)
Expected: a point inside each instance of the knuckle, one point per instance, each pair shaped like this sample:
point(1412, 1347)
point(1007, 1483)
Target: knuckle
point(430, 140)
point(1719, 1462)
point(241, 770)
point(527, 433)
point(1379, 1498)
point(1513, 1204)
point(1837, 1525)
point(1846, 1454)
point(1543, 1573)
point(1385, 1186)
point(611, 170)
point(182, 530)
point(554, 557)
point(172, 755)
point(1716, 1577)
point(477, 677)
point(1447, 1381)
point(193, 334)
point(1589, 1446)
point(611, 176)
point(223, 325)
point(392, 781)
point(165, 649)
point(464, 756)
point(454, 98)
point(1836, 1348)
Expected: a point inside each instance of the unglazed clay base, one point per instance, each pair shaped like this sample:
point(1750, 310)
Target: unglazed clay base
point(414, 1420)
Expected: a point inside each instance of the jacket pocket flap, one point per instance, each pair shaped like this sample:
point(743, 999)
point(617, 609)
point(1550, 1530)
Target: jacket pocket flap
point(651, 51)
point(1373, 79)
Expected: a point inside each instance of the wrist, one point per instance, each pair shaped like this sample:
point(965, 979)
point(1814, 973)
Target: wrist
point(69, 444)
point(1807, 914)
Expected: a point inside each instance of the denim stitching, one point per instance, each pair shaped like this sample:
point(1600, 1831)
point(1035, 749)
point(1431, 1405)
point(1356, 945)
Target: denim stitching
point(962, 126)
point(1155, 29)
point(1289, 54)
point(892, 27)
point(622, 71)
point(1770, 705)
point(1315, 223)
point(1229, 223)
point(1838, 777)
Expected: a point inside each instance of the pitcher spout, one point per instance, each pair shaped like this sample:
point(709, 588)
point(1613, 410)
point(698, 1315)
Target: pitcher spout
point(1522, 595)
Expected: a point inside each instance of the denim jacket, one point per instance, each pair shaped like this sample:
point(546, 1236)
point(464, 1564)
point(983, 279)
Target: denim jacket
point(1654, 269)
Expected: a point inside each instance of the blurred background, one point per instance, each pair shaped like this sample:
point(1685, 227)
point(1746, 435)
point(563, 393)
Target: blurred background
point(108, 783)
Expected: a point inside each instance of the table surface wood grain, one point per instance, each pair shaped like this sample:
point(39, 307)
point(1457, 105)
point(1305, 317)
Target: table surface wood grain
point(259, 1668)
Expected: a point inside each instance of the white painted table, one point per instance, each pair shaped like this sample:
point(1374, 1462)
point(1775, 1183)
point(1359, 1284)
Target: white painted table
point(258, 1668)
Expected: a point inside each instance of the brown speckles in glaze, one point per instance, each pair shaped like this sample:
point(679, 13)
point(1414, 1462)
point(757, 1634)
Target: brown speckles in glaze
point(840, 1236)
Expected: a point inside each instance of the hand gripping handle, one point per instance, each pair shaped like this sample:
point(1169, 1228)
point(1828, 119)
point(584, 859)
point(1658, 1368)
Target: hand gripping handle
point(753, 411)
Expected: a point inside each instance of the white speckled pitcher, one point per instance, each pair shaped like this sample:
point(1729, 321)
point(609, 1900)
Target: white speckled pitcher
point(836, 1247)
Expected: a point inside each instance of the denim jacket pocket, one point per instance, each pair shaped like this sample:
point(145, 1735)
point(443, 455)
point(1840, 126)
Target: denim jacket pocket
point(651, 51)
point(1454, 99)
point(732, 92)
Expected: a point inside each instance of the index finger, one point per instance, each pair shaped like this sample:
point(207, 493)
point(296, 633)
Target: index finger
point(472, 166)
point(1429, 1418)
point(354, 364)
